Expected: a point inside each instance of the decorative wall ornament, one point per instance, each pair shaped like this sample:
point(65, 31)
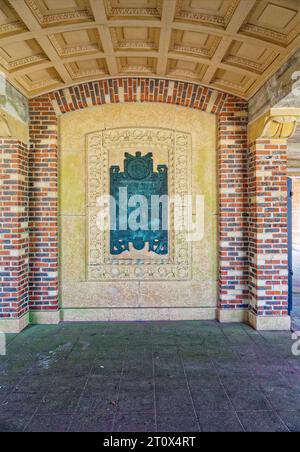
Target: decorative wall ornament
point(280, 127)
point(277, 123)
point(5, 131)
point(102, 266)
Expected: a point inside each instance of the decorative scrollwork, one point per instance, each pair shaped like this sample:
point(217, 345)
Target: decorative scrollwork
point(101, 265)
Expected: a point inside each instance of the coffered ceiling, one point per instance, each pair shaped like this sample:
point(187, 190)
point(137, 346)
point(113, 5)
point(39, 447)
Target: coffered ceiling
point(231, 45)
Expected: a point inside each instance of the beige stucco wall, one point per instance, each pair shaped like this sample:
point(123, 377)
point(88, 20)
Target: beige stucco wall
point(139, 299)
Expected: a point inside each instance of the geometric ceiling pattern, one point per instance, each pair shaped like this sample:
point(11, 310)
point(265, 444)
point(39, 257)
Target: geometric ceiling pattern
point(230, 45)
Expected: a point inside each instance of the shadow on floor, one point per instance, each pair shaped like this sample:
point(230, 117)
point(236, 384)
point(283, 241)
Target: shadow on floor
point(149, 377)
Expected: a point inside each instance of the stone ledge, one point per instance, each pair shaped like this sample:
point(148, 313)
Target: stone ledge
point(14, 325)
point(45, 318)
point(233, 315)
point(137, 314)
point(270, 323)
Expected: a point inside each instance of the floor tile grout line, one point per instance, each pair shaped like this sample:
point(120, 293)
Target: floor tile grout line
point(190, 394)
point(245, 328)
point(84, 387)
point(228, 397)
point(119, 389)
point(32, 417)
point(274, 410)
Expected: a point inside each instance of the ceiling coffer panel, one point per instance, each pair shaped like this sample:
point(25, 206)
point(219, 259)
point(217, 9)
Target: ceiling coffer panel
point(230, 45)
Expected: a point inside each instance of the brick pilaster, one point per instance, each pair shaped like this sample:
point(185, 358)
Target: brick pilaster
point(13, 229)
point(233, 208)
point(268, 233)
point(43, 206)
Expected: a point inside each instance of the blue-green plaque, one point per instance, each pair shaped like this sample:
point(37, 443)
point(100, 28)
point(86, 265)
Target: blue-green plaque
point(139, 179)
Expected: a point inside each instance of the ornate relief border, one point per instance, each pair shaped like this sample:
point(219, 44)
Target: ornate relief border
point(101, 267)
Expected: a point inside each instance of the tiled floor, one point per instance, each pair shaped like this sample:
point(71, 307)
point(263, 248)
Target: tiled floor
point(296, 289)
point(181, 377)
point(296, 312)
point(296, 269)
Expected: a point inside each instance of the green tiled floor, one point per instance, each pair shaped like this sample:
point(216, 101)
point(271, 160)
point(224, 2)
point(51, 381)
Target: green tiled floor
point(118, 377)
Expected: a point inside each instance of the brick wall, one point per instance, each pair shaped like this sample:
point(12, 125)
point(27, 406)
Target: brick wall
point(268, 235)
point(252, 200)
point(43, 206)
point(233, 205)
point(13, 229)
point(232, 113)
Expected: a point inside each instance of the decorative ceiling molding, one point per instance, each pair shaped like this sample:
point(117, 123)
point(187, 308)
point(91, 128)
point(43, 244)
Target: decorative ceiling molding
point(126, 44)
point(281, 38)
point(52, 18)
point(207, 53)
point(81, 74)
point(73, 50)
point(249, 64)
point(181, 13)
point(131, 69)
point(13, 27)
point(232, 45)
point(113, 9)
point(33, 59)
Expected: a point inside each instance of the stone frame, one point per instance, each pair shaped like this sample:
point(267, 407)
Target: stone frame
point(100, 266)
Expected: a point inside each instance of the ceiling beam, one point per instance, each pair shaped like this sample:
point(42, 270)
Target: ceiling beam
point(34, 27)
point(100, 16)
point(167, 19)
point(20, 70)
point(240, 15)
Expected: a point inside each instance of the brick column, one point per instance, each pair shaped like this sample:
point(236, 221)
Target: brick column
point(43, 212)
point(268, 227)
point(268, 235)
point(233, 208)
point(14, 235)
